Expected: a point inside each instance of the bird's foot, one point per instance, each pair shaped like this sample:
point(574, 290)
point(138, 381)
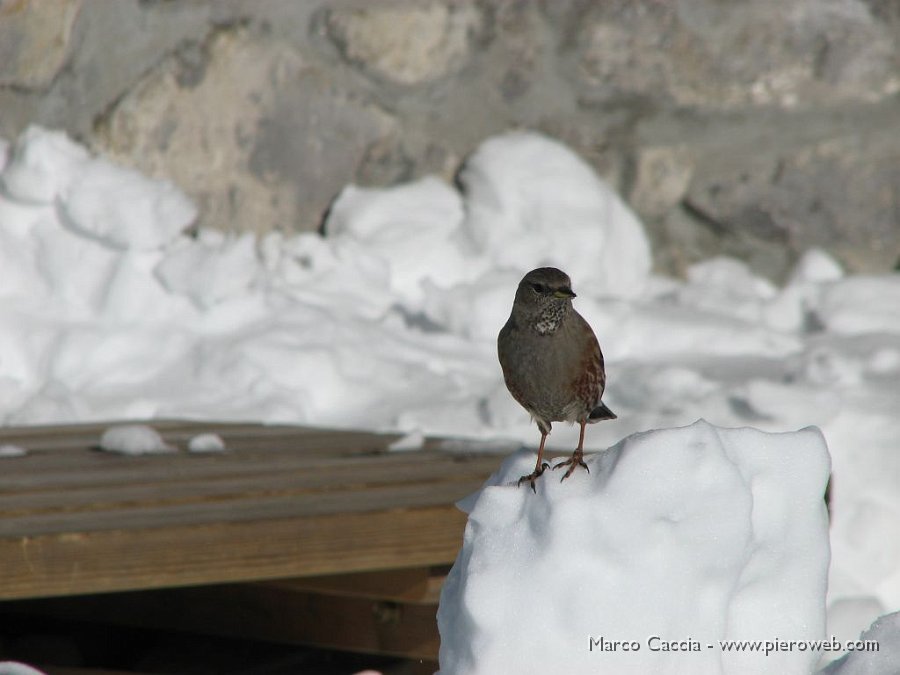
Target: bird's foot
point(533, 476)
point(577, 459)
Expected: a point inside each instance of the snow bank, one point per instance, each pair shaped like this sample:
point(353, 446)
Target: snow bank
point(206, 443)
point(106, 311)
point(531, 202)
point(389, 322)
point(695, 535)
point(16, 668)
point(8, 450)
point(98, 199)
point(134, 439)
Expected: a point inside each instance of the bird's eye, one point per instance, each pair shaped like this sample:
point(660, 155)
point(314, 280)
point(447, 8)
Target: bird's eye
point(539, 288)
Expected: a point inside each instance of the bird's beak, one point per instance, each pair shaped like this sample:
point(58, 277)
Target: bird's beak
point(564, 293)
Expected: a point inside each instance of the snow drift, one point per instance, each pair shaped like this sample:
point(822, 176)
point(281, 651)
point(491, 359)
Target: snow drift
point(110, 311)
point(677, 541)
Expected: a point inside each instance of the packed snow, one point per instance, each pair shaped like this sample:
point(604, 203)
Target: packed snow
point(134, 439)
point(414, 440)
point(206, 443)
point(111, 309)
point(16, 668)
point(12, 450)
point(697, 536)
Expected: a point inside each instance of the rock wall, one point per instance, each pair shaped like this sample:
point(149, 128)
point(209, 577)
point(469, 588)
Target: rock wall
point(756, 129)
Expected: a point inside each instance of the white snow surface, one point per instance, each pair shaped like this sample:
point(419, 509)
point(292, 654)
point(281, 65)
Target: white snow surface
point(134, 439)
point(16, 668)
point(691, 534)
point(8, 450)
point(207, 442)
point(389, 321)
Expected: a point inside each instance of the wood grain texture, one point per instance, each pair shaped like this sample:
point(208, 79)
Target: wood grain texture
point(412, 585)
point(281, 502)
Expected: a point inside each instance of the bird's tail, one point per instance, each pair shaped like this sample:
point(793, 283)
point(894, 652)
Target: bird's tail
point(601, 412)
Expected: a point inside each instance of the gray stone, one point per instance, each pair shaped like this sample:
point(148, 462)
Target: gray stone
point(520, 48)
point(679, 240)
point(399, 157)
point(841, 194)
point(99, 70)
point(253, 133)
point(406, 44)
point(753, 129)
point(662, 176)
point(34, 40)
point(844, 194)
point(706, 53)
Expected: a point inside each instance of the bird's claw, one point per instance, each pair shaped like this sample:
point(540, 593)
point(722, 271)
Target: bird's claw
point(574, 461)
point(534, 475)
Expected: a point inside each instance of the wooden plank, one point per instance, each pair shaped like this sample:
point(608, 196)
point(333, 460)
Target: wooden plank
point(229, 550)
point(97, 471)
point(284, 502)
point(411, 585)
point(412, 667)
point(154, 486)
point(300, 504)
point(415, 585)
point(85, 435)
point(85, 467)
point(265, 612)
point(433, 590)
point(318, 445)
point(62, 670)
point(95, 428)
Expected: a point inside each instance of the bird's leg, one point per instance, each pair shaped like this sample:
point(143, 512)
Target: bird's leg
point(539, 467)
point(577, 458)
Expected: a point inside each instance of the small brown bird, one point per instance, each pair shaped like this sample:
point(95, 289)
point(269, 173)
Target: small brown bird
point(551, 361)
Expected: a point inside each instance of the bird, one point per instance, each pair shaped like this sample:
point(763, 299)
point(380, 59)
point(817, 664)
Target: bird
point(552, 363)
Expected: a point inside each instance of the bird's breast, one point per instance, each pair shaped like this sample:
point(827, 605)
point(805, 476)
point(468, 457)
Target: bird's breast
point(543, 372)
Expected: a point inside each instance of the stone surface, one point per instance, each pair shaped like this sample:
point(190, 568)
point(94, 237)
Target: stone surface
point(840, 193)
point(34, 40)
point(753, 129)
point(113, 44)
point(711, 54)
point(662, 176)
point(257, 137)
point(406, 44)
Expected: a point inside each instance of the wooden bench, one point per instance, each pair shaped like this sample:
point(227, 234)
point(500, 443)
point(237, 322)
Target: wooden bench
point(304, 535)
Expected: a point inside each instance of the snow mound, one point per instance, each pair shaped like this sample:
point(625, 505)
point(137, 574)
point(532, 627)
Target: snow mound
point(694, 535)
point(407, 230)
point(8, 450)
point(206, 443)
point(42, 166)
point(16, 668)
point(415, 440)
point(533, 202)
point(389, 321)
point(117, 206)
point(134, 439)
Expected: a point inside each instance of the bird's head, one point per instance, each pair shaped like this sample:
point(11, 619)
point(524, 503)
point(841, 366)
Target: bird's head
point(543, 298)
